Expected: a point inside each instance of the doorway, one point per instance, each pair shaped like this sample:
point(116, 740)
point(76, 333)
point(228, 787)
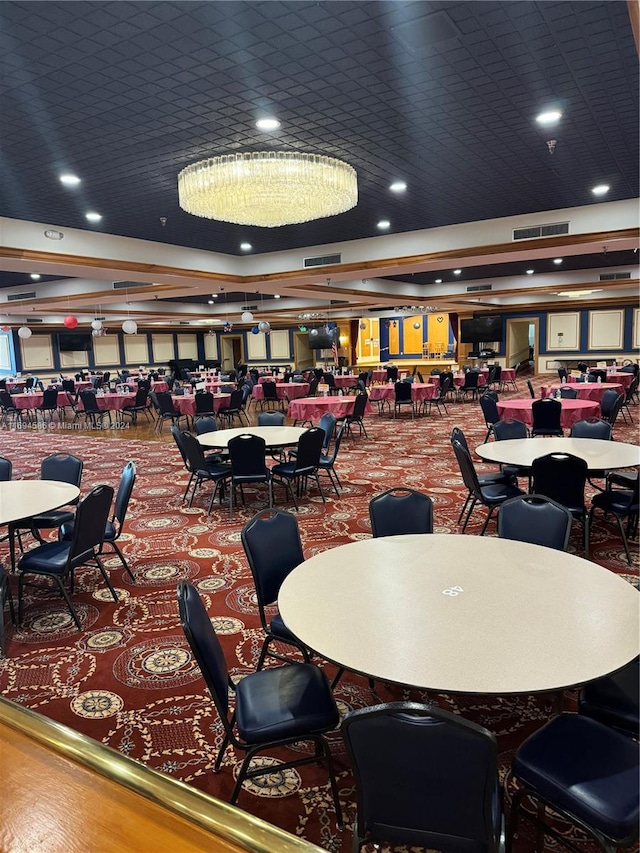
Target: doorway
point(523, 343)
point(231, 351)
point(301, 350)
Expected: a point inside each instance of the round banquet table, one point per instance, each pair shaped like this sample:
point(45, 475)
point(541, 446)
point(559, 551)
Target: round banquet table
point(458, 380)
point(274, 436)
point(186, 403)
point(624, 379)
point(313, 408)
point(598, 454)
point(585, 390)
point(293, 390)
point(507, 374)
point(345, 381)
point(419, 391)
point(572, 411)
point(417, 610)
point(25, 498)
point(379, 376)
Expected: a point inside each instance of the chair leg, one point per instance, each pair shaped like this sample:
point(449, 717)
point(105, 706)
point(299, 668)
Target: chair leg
point(123, 561)
point(464, 506)
point(486, 521)
point(106, 577)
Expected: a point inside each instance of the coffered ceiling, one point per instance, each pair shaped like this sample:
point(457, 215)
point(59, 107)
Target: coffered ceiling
point(441, 95)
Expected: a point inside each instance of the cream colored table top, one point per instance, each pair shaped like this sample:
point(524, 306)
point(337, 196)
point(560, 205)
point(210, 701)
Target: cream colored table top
point(25, 498)
point(463, 614)
point(274, 436)
point(598, 454)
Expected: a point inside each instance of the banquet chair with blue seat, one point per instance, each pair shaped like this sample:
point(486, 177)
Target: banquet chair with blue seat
point(114, 526)
point(486, 478)
point(90, 411)
point(402, 397)
point(535, 519)
point(511, 429)
point(424, 777)
point(562, 477)
point(271, 419)
point(546, 415)
point(247, 455)
point(58, 560)
point(568, 393)
point(304, 465)
point(623, 504)
point(399, 511)
point(356, 418)
point(201, 468)
point(62, 468)
point(275, 707)
point(271, 542)
point(328, 460)
point(592, 428)
point(583, 771)
point(490, 496)
point(614, 699)
point(489, 406)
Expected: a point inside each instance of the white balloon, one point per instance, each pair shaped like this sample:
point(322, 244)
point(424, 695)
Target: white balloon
point(264, 326)
point(246, 317)
point(130, 327)
point(96, 324)
point(24, 332)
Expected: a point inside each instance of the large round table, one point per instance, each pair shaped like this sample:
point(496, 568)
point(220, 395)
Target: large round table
point(599, 455)
point(593, 391)
point(274, 436)
point(313, 408)
point(572, 411)
point(463, 614)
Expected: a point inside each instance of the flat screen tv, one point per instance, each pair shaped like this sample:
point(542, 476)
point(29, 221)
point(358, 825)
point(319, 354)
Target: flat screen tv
point(323, 338)
point(480, 330)
point(74, 342)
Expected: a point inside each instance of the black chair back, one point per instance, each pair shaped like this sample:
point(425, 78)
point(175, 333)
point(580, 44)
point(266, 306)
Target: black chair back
point(142, 395)
point(594, 375)
point(392, 374)
point(562, 373)
point(247, 456)
point(313, 386)
point(583, 366)
point(546, 417)
point(420, 377)
point(327, 423)
point(536, 519)
point(6, 469)
point(531, 391)
point(592, 428)
point(470, 380)
point(269, 391)
point(69, 386)
point(403, 392)
point(62, 467)
point(206, 648)
point(204, 403)
point(177, 435)
point(467, 469)
point(271, 419)
point(193, 451)
point(568, 393)
point(165, 403)
point(89, 525)
point(510, 429)
point(309, 450)
point(127, 482)
point(89, 402)
point(446, 795)
point(50, 399)
point(460, 437)
point(271, 542)
point(398, 511)
point(359, 405)
point(561, 477)
point(204, 425)
point(489, 409)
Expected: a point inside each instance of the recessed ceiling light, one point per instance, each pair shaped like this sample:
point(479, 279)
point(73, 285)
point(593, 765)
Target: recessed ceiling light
point(549, 117)
point(70, 180)
point(601, 189)
point(35, 276)
point(457, 272)
point(558, 261)
point(573, 293)
point(398, 187)
point(268, 123)
point(93, 217)
point(438, 281)
point(276, 296)
point(211, 302)
point(383, 224)
point(246, 247)
point(214, 295)
point(530, 272)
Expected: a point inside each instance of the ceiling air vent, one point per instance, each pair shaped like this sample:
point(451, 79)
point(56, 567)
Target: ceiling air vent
point(16, 297)
point(31, 320)
point(551, 230)
point(477, 288)
point(183, 323)
point(615, 276)
point(123, 285)
point(321, 261)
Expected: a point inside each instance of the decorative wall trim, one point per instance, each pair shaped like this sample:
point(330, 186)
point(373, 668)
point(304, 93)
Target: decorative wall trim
point(37, 353)
point(279, 344)
point(563, 332)
point(606, 329)
point(636, 328)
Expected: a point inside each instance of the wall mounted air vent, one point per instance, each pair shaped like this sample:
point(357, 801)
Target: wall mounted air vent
point(551, 230)
point(338, 302)
point(183, 323)
point(477, 288)
point(615, 276)
point(31, 320)
point(321, 261)
point(249, 308)
point(16, 297)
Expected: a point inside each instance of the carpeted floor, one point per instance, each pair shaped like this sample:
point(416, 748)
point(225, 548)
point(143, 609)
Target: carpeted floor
point(128, 678)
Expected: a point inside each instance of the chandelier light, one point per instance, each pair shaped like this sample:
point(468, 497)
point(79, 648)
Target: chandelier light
point(268, 188)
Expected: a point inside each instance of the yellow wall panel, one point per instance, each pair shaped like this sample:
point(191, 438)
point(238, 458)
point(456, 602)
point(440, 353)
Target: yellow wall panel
point(394, 338)
point(412, 338)
point(438, 330)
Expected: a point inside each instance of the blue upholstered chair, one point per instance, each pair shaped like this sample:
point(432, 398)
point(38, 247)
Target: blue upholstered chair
point(399, 511)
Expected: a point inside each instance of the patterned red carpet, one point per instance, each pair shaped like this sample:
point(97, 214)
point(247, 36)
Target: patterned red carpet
point(128, 679)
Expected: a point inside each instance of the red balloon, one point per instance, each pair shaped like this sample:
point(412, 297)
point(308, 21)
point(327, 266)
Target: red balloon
point(6, 328)
point(70, 321)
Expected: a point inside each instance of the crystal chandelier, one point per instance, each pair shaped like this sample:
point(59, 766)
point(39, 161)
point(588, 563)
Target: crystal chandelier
point(268, 188)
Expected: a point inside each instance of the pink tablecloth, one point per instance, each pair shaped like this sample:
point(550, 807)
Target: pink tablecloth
point(32, 401)
point(345, 381)
point(186, 404)
point(111, 402)
point(458, 380)
point(158, 386)
point(419, 391)
point(624, 379)
point(585, 390)
point(293, 390)
point(379, 376)
point(507, 374)
point(313, 408)
point(572, 411)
